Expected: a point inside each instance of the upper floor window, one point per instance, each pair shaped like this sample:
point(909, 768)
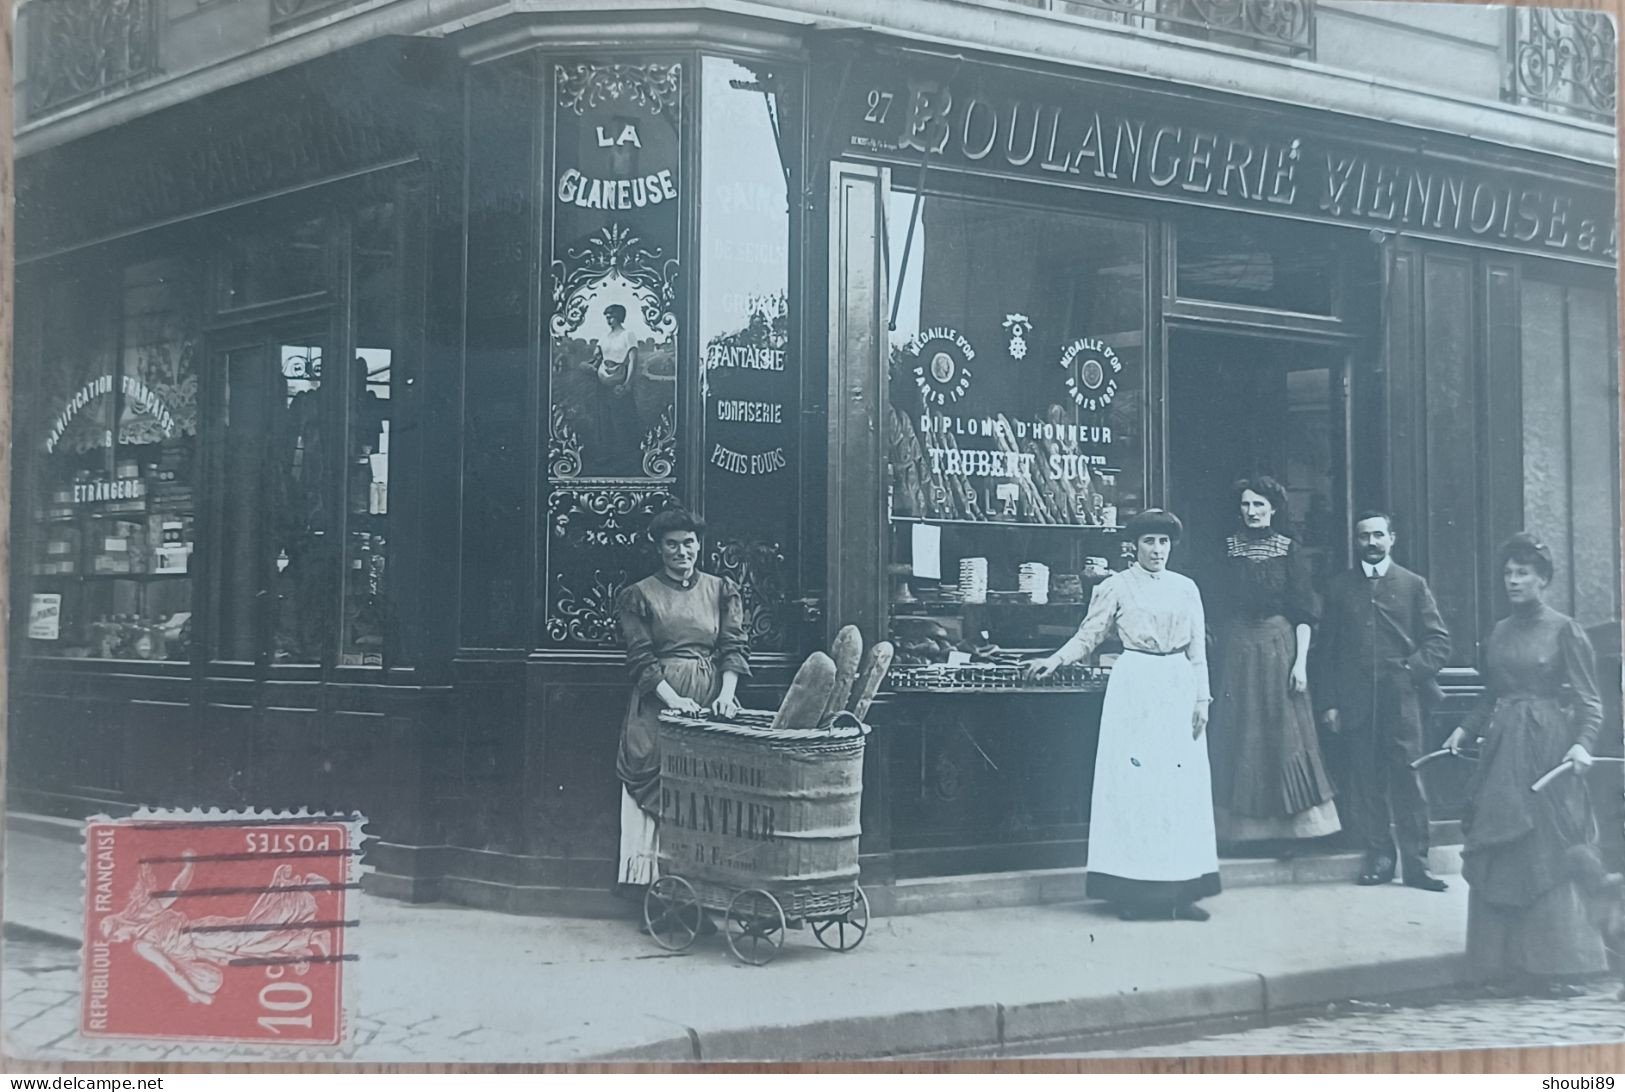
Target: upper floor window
point(1562, 61)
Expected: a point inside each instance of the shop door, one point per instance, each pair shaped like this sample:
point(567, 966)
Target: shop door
point(272, 467)
point(1242, 405)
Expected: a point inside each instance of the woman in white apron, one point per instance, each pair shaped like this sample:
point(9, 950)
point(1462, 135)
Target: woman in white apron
point(1152, 850)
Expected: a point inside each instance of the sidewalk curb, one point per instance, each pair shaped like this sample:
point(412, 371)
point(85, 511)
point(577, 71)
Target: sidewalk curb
point(1009, 1029)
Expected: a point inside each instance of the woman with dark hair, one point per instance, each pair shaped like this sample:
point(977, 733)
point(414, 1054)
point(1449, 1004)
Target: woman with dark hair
point(1526, 925)
point(1151, 845)
point(1269, 782)
point(686, 649)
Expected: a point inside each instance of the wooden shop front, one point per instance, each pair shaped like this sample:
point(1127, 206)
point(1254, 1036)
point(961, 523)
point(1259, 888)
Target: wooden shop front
point(897, 311)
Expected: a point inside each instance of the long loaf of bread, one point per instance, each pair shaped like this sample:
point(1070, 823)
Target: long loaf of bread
point(808, 694)
point(876, 662)
point(846, 651)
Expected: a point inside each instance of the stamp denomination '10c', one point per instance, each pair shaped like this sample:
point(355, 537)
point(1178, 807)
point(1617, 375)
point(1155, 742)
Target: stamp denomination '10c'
point(228, 929)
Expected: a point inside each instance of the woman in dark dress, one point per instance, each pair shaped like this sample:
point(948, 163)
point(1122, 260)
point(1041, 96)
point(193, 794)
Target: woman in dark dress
point(1526, 927)
point(1270, 784)
point(686, 649)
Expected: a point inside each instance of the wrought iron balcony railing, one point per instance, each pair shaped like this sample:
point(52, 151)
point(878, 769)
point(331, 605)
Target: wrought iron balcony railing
point(1562, 61)
point(1280, 27)
point(79, 49)
point(285, 12)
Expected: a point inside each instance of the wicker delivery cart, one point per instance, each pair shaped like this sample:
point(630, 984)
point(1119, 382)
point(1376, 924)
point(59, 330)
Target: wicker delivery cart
point(758, 826)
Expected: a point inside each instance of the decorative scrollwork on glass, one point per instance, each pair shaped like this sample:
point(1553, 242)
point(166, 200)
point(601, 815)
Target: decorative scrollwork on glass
point(83, 48)
point(1564, 61)
point(660, 447)
point(758, 569)
point(604, 518)
point(597, 545)
point(655, 87)
point(587, 617)
point(563, 445)
point(614, 253)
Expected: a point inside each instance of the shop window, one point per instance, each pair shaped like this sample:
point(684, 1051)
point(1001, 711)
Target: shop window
point(112, 566)
point(1016, 391)
point(369, 604)
point(1017, 364)
point(304, 476)
point(272, 266)
point(615, 207)
point(1255, 263)
point(614, 327)
point(275, 521)
point(750, 373)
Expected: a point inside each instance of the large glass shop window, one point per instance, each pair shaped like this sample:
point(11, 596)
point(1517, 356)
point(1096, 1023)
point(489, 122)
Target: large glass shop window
point(617, 191)
point(1016, 419)
point(749, 375)
point(274, 551)
point(368, 626)
point(112, 566)
point(303, 473)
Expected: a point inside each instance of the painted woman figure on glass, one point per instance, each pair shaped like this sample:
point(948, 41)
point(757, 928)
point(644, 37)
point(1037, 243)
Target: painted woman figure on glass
point(686, 649)
point(614, 425)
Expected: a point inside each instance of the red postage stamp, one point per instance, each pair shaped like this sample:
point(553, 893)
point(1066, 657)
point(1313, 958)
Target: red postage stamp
point(227, 928)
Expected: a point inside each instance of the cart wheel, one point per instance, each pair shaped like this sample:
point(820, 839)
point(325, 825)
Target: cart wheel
point(844, 933)
point(671, 913)
point(755, 926)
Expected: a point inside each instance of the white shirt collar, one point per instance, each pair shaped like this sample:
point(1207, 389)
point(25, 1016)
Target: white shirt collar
point(1379, 569)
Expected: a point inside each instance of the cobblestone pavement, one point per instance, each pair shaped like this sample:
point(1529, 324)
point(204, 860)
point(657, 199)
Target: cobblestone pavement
point(1457, 1023)
point(40, 1020)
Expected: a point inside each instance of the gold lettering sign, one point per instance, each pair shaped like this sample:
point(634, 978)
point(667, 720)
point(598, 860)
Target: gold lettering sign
point(1094, 134)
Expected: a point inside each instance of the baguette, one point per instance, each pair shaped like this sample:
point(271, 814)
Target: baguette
point(808, 694)
point(876, 662)
point(846, 651)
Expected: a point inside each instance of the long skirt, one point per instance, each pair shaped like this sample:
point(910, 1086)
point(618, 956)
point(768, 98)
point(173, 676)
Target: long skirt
point(1524, 914)
point(1151, 839)
point(1269, 779)
point(640, 844)
point(638, 761)
point(1550, 936)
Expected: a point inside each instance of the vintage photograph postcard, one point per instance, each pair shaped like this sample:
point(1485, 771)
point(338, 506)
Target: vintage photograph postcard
point(812, 529)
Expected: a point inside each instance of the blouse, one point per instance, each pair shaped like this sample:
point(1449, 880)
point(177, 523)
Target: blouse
point(661, 621)
point(1159, 613)
point(1543, 654)
point(1265, 576)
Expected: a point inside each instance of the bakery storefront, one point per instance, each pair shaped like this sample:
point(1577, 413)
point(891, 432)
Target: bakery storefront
point(1058, 299)
point(916, 354)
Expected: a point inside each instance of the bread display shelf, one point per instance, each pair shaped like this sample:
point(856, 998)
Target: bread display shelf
point(991, 678)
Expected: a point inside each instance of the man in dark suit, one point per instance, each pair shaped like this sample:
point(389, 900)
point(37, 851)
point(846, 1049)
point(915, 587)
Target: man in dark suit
point(1382, 640)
